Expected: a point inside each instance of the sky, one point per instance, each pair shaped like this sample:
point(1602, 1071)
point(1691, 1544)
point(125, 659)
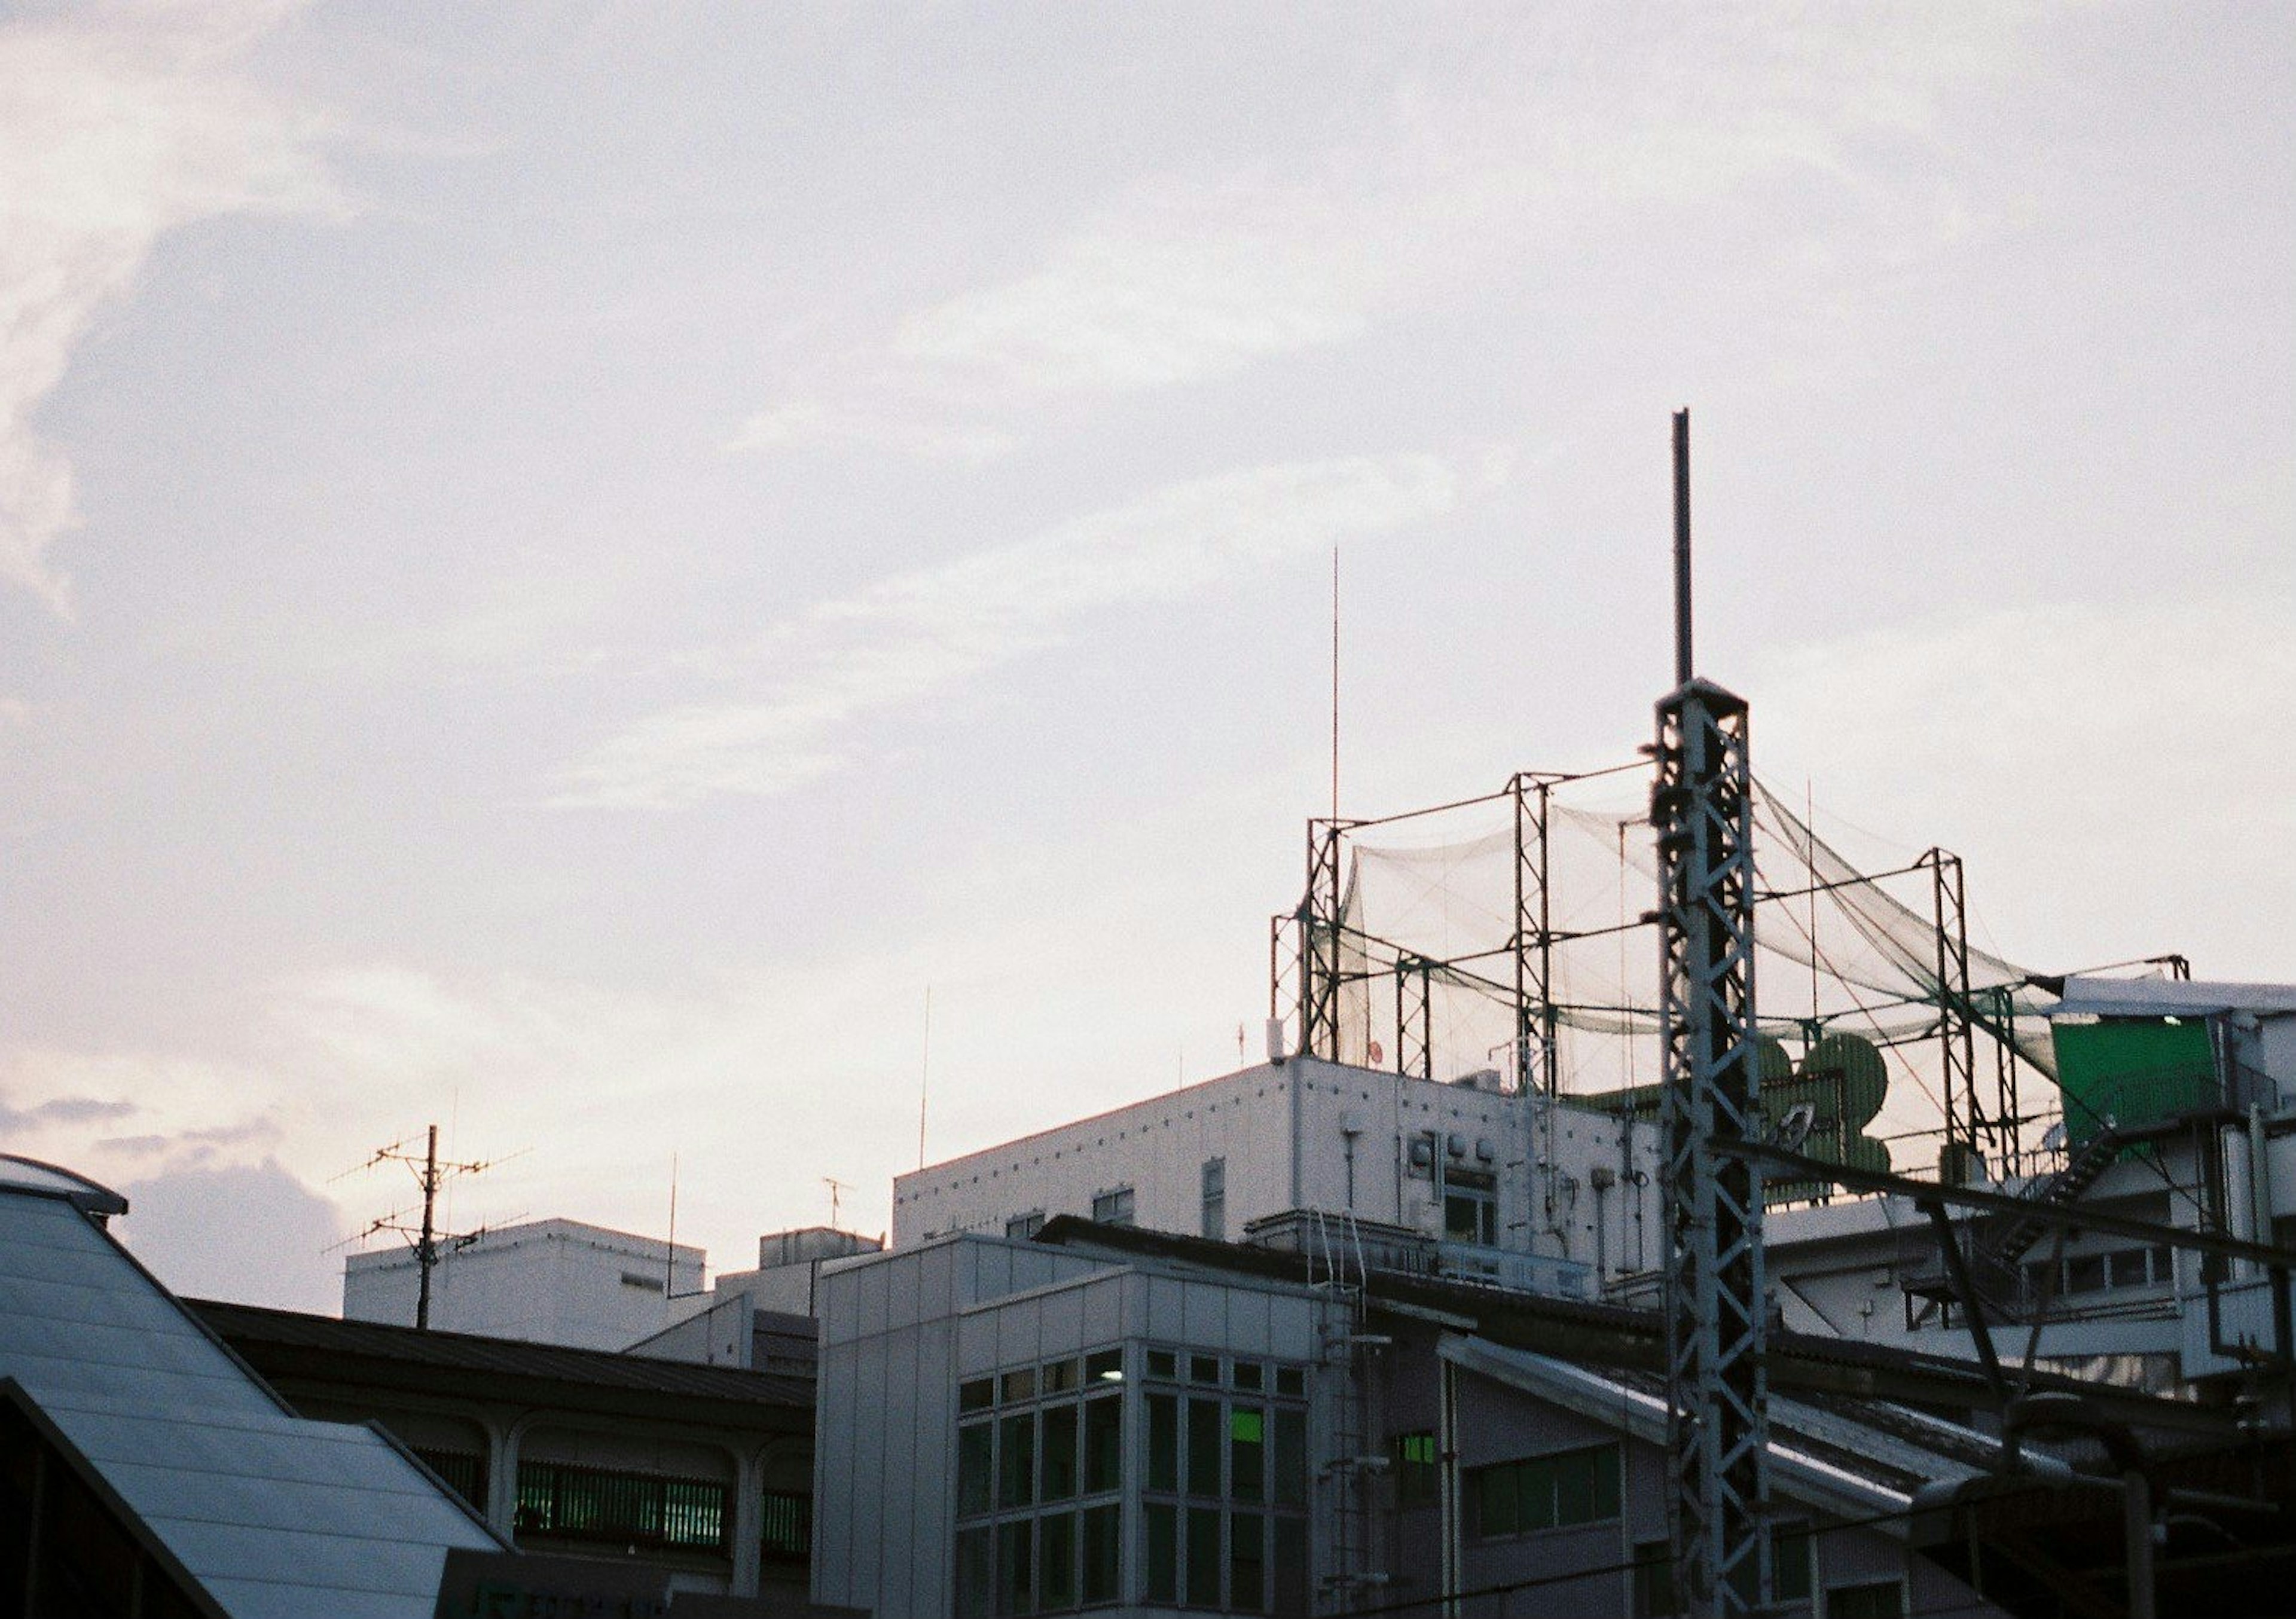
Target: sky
point(563, 567)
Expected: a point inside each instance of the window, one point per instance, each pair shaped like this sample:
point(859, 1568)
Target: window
point(785, 1540)
point(1656, 1595)
point(643, 1284)
point(1224, 1523)
point(1417, 1481)
point(464, 1472)
point(1544, 1492)
point(1113, 1207)
point(575, 1503)
point(1876, 1599)
point(1020, 1228)
point(1791, 1562)
point(1214, 1185)
point(1035, 1445)
point(1471, 1207)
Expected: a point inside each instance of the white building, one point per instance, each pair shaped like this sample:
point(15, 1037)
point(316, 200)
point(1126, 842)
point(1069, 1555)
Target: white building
point(2199, 1080)
point(548, 1281)
point(761, 1319)
point(1519, 1190)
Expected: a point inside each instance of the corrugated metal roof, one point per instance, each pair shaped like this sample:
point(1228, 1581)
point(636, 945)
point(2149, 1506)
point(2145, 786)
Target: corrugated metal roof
point(275, 1517)
point(251, 1327)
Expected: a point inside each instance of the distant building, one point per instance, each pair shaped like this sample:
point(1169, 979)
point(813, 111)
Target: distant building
point(1515, 1188)
point(547, 1282)
point(762, 1320)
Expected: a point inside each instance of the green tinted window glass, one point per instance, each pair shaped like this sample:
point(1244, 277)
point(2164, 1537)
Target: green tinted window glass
point(1606, 1481)
point(1290, 1458)
point(1016, 1568)
point(1203, 1562)
point(1016, 1471)
point(1247, 1453)
point(1105, 1366)
point(1163, 1363)
point(1204, 1448)
point(1790, 1562)
point(1058, 1468)
point(1056, 1562)
point(1103, 1443)
point(1880, 1599)
point(977, 1396)
point(1247, 1562)
point(1102, 1526)
point(976, 1573)
point(1020, 1384)
point(1534, 1495)
point(1654, 1588)
point(1159, 1552)
point(1163, 1443)
point(1494, 1490)
point(1290, 1380)
point(976, 1451)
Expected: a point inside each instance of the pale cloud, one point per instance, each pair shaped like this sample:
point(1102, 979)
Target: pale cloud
point(901, 640)
point(117, 124)
point(1185, 279)
point(2154, 807)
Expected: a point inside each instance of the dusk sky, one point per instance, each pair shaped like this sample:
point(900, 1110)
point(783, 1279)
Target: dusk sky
point(560, 564)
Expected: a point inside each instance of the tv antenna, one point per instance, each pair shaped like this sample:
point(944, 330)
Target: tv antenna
point(837, 1190)
point(428, 1241)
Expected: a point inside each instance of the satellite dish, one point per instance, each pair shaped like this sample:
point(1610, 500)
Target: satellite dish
point(1794, 1129)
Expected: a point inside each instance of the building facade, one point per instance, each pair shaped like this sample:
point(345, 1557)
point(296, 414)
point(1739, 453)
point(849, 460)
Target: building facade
point(546, 1282)
point(1146, 1425)
point(1518, 1189)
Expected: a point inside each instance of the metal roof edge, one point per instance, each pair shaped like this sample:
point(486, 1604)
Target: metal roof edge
point(1591, 1396)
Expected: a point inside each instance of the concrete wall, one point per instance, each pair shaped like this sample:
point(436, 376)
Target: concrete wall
point(554, 1281)
point(1306, 1133)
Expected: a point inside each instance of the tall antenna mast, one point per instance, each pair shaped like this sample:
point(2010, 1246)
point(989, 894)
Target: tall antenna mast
point(1335, 682)
point(1717, 1303)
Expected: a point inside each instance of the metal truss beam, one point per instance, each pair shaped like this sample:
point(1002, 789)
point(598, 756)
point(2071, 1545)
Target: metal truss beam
point(1718, 1310)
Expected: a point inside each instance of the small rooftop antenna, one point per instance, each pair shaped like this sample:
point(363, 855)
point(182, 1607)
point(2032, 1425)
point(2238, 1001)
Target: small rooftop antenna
point(1335, 682)
point(1684, 664)
point(669, 1257)
point(426, 1238)
point(925, 1079)
point(837, 1189)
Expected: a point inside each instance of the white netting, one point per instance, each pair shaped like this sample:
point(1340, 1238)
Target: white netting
point(1855, 954)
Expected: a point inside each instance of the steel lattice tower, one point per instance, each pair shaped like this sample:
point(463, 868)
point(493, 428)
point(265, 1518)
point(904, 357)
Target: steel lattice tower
point(1717, 1302)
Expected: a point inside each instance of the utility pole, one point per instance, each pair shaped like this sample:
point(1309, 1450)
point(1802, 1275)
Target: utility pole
point(426, 1237)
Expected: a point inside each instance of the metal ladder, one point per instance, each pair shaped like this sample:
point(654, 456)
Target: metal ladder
point(1347, 1483)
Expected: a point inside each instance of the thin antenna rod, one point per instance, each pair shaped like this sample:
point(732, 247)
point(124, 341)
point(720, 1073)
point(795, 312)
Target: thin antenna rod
point(1685, 666)
point(924, 1078)
point(1335, 682)
point(670, 1253)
